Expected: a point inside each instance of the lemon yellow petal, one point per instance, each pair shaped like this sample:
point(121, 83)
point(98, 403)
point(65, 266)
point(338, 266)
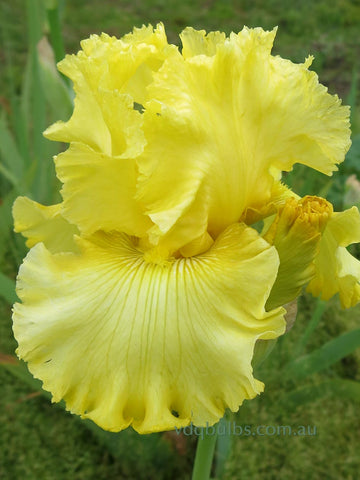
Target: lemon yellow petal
point(197, 42)
point(108, 123)
point(237, 114)
point(337, 271)
point(86, 124)
point(174, 195)
point(107, 129)
point(39, 223)
point(128, 62)
point(296, 233)
point(308, 125)
point(99, 191)
point(127, 342)
point(109, 67)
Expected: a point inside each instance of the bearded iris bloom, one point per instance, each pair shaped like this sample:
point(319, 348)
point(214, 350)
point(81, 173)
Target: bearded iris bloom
point(146, 289)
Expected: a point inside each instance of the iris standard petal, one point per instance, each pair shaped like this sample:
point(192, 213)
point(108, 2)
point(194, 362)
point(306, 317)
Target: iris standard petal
point(197, 42)
point(117, 67)
point(108, 124)
point(236, 113)
point(126, 342)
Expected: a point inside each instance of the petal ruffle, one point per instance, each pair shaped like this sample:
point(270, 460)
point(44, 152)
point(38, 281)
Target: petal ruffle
point(197, 42)
point(39, 223)
point(108, 124)
point(105, 129)
point(126, 342)
point(216, 122)
point(99, 191)
point(337, 271)
point(237, 114)
point(105, 67)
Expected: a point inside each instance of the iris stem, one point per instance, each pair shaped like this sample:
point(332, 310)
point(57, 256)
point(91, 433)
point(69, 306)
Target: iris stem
point(204, 455)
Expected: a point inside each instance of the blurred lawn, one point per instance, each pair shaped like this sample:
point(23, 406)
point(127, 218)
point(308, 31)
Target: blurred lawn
point(42, 442)
point(327, 29)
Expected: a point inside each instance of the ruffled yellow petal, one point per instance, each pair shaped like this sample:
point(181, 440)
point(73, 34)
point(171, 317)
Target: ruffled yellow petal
point(176, 184)
point(103, 71)
point(296, 233)
point(108, 124)
point(109, 75)
point(237, 115)
point(337, 271)
point(126, 342)
point(86, 124)
point(39, 223)
point(210, 128)
point(314, 128)
point(129, 62)
point(197, 42)
point(99, 191)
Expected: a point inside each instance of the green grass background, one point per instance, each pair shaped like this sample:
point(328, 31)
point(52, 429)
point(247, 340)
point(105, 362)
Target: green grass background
point(40, 441)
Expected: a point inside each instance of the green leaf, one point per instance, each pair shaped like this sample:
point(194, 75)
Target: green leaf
point(6, 221)
point(348, 389)
point(353, 156)
point(24, 108)
point(7, 288)
point(18, 123)
point(57, 93)
point(40, 186)
point(223, 446)
point(9, 152)
point(325, 356)
point(352, 96)
point(262, 350)
point(311, 326)
point(53, 15)
point(8, 175)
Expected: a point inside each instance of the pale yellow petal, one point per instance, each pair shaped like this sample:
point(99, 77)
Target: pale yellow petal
point(237, 114)
point(126, 342)
point(105, 67)
point(86, 124)
point(308, 125)
point(197, 42)
point(345, 227)
point(124, 64)
point(337, 271)
point(174, 197)
point(108, 124)
point(39, 223)
point(99, 191)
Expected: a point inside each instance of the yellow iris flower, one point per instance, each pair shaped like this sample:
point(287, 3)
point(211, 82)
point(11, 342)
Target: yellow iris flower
point(145, 291)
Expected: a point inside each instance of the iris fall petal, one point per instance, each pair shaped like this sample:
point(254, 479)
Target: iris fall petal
point(155, 339)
